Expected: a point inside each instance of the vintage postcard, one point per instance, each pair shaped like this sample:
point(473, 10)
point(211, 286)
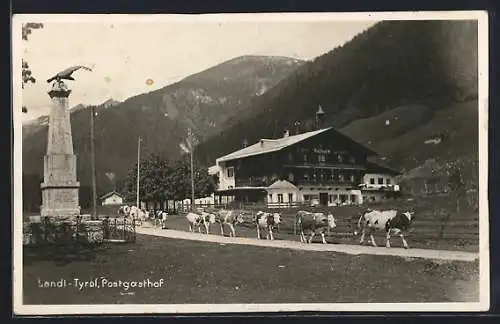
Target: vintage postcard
point(228, 163)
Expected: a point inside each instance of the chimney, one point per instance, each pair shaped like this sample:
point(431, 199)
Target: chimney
point(245, 143)
point(261, 143)
point(286, 133)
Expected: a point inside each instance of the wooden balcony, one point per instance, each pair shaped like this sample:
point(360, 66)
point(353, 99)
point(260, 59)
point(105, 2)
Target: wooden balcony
point(332, 166)
point(253, 183)
point(325, 183)
point(315, 183)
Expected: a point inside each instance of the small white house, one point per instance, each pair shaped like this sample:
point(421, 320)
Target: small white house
point(379, 184)
point(112, 198)
point(283, 192)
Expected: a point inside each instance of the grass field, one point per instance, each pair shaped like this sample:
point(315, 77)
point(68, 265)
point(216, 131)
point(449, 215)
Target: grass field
point(195, 272)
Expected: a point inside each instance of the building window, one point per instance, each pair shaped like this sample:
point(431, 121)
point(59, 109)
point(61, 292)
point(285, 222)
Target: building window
point(230, 172)
point(341, 178)
point(291, 177)
point(372, 181)
point(321, 158)
point(306, 176)
point(290, 197)
point(352, 178)
point(290, 157)
point(305, 158)
point(352, 159)
point(380, 181)
point(270, 197)
point(388, 181)
point(280, 198)
point(340, 158)
point(322, 175)
point(353, 198)
point(307, 197)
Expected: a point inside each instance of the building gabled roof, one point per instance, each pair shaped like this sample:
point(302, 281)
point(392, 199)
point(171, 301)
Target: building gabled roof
point(282, 184)
point(273, 145)
point(372, 167)
point(109, 194)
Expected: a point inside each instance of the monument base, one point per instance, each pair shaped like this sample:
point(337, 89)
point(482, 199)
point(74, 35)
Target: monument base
point(60, 201)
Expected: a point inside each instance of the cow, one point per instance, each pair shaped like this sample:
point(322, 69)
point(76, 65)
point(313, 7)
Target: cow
point(207, 219)
point(391, 221)
point(163, 216)
point(138, 214)
point(194, 220)
point(312, 222)
point(124, 211)
point(267, 222)
point(157, 218)
point(229, 218)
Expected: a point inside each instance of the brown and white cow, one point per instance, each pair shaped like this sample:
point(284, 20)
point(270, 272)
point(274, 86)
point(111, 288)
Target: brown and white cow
point(163, 217)
point(391, 221)
point(229, 218)
point(267, 222)
point(195, 220)
point(312, 222)
point(207, 220)
point(124, 211)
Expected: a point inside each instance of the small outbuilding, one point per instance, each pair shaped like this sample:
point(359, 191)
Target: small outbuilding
point(112, 198)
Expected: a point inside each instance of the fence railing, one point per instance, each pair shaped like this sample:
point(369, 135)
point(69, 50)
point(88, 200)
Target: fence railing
point(49, 231)
point(119, 229)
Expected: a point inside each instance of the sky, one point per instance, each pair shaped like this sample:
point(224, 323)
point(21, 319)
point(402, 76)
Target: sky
point(123, 55)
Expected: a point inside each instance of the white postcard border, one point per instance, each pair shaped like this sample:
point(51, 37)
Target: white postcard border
point(17, 45)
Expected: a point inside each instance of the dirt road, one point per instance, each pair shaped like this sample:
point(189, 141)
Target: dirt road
point(286, 244)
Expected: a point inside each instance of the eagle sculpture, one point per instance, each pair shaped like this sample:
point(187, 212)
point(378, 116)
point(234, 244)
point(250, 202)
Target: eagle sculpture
point(66, 74)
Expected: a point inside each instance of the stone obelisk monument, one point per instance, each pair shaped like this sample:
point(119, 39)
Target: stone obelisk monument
point(60, 186)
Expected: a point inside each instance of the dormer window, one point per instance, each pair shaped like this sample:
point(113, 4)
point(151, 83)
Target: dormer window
point(230, 172)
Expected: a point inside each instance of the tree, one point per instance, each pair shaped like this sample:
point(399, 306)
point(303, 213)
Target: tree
point(163, 180)
point(26, 70)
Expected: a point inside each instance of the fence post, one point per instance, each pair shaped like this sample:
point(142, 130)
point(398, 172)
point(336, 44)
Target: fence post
point(295, 225)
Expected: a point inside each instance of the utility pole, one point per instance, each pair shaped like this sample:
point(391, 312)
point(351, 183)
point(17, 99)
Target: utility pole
point(191, 148)
point(138, 168)
point(92, 156)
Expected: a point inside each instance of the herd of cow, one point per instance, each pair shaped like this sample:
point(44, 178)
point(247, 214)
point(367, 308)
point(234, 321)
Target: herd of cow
point(392, 222)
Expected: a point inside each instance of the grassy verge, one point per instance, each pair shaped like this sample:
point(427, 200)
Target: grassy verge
point(195, 272)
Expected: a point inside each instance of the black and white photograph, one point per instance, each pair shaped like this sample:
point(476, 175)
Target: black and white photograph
point(265, 162)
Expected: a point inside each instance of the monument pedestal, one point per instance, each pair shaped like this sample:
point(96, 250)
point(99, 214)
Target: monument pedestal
point(60, 188)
